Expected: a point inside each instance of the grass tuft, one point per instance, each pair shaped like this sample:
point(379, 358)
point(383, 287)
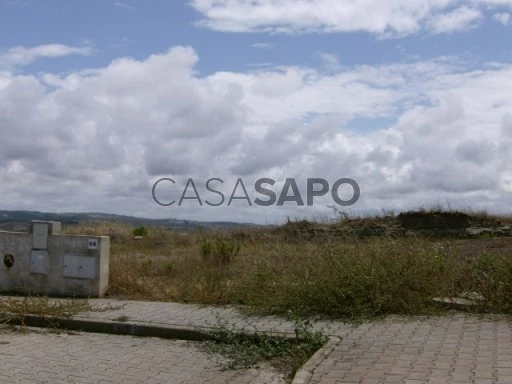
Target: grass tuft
point(245, 351)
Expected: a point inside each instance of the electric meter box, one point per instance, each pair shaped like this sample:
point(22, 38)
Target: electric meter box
point(44, 261)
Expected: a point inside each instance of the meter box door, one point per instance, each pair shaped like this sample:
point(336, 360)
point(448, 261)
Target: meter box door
point(40, 235)
point(39, 262)
point(40, 231)
point(79, 267)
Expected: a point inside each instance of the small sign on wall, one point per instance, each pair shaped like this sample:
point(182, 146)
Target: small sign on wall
point(93, 244)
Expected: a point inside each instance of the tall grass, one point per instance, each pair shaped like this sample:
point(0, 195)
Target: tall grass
point(276, 271)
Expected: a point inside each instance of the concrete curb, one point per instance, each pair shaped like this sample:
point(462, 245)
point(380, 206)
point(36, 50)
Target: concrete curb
point(126, 328)
point(303, 375)
point(114, 327)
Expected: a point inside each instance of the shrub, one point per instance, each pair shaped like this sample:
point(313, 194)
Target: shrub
point(206, 248)
point(219, 251)
point(140, 231)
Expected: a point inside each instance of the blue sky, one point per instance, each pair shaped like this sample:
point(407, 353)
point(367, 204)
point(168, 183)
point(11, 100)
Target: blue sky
point(402, 96)
point(138, 29)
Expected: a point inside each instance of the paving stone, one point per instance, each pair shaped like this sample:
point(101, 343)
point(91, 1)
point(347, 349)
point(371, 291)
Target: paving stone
point(44, 357)
point(460, 356)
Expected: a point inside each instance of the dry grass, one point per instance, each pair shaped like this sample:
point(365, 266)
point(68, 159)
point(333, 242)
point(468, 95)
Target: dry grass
point(277, 271)
point(116, 230)
point(17, 307)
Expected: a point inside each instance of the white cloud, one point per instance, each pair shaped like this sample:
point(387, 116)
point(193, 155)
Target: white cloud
point(264, 46)
point(460, 19)
point(380, 17)
point(21, 56)
point(503, 18)
point(331, 62)
point(96, 140)
point(123, 5)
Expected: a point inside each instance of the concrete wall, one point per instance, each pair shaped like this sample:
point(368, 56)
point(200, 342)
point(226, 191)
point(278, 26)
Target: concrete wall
point(70, 265)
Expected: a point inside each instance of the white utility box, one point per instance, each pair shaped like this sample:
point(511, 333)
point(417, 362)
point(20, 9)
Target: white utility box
point(44, 261)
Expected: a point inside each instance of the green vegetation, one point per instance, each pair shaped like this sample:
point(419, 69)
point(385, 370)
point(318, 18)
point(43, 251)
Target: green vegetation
point(219, 251)
point(245, 350)
point(140, 231)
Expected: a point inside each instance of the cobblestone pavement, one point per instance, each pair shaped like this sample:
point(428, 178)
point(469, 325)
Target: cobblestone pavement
point(455, 348)
point(38, 356)
point(197, 316)
point(451, 349)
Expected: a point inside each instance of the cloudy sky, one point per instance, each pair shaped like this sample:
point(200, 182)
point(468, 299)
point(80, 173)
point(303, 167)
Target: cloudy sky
point(99, 99)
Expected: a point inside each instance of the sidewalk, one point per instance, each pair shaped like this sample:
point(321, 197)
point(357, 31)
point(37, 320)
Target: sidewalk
point(193, 315)
point(455, 348)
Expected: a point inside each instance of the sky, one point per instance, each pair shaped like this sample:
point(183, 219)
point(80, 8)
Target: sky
point(100, 99)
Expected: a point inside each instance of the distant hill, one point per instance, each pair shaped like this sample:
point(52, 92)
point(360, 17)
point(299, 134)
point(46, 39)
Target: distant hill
point(19, 220)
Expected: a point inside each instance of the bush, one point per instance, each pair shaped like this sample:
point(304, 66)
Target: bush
point(219, 251)
point(140, 231)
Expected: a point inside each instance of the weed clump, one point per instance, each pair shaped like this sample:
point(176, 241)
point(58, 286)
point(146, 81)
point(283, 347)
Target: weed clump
point(219, 251)
point(244, 350)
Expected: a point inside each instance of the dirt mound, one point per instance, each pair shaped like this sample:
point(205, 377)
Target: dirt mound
point(433, 220)
point(361, 227)
point(434, 223)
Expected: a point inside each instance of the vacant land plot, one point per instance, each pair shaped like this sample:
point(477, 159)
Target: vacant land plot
point(311, 269)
